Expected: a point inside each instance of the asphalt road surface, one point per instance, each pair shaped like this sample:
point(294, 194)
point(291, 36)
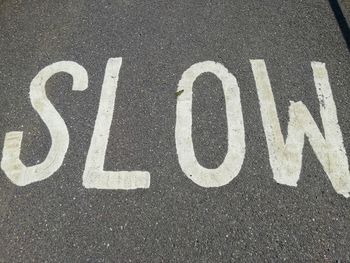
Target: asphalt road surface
point(253, 216)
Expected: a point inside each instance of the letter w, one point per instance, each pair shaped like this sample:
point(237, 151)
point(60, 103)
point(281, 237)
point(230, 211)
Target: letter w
point(286, 156)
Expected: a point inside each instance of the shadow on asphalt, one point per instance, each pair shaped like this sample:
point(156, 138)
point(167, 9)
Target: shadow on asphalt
point(344, 27)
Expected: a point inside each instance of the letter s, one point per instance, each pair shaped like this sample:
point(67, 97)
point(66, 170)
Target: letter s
point(13, 167)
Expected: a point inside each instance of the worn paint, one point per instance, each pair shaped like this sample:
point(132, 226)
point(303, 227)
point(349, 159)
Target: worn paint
point(286, 155)
point(13, 167)
point(94, 176)
point(232, 163)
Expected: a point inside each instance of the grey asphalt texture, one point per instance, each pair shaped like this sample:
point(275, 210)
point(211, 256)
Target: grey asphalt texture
point(252, 219)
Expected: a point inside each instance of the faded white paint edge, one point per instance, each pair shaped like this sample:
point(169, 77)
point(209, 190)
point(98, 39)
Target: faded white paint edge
point(286, 156)
point(94, 176)
point(13, 167)
point(232, 163)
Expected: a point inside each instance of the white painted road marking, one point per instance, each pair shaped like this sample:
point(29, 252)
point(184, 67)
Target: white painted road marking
point(286, 157)
point(13, 167)
point(232, 163)
point(94, 176)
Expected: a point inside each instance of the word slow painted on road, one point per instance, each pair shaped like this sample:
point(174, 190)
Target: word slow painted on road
point(285, 155)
